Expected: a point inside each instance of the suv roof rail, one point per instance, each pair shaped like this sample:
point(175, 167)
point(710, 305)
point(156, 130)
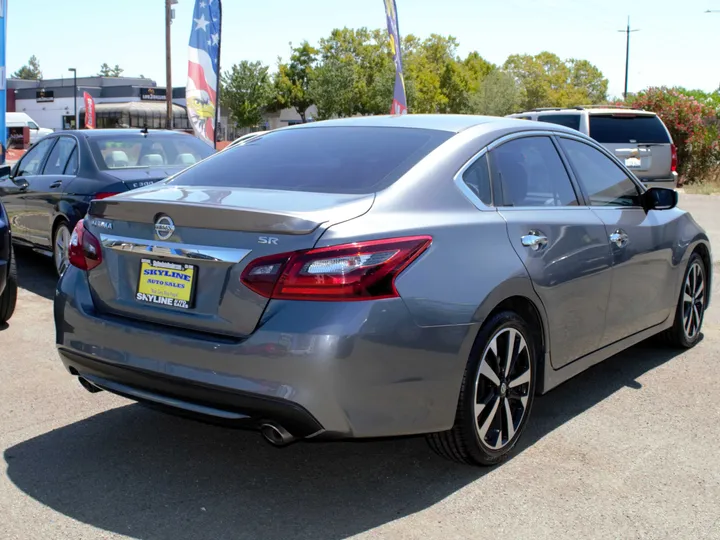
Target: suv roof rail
point(540, 109)
point(605, 107)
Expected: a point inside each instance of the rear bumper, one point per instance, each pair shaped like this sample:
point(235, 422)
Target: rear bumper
point(321, 369)
point(670, 183)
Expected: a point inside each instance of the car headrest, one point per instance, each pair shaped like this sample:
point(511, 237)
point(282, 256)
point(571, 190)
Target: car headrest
point(117, 158)
point(185, 159)
point(152, 160)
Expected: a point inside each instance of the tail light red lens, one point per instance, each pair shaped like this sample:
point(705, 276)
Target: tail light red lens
point(84, 251)
point(673, 159)
point(358, 271)
point(103, 195)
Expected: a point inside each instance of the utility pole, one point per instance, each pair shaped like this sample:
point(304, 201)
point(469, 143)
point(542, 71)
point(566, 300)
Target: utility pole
point(168, 65)
point(627, 31)
point(74, 72)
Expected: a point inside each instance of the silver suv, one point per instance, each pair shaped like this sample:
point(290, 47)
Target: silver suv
point(638, 138)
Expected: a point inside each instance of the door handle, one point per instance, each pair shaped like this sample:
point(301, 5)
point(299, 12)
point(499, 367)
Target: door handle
point(534, 240)
point(619, 238)
point(55, 185)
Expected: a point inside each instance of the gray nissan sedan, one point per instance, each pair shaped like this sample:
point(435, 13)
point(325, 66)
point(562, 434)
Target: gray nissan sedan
point(379, 276)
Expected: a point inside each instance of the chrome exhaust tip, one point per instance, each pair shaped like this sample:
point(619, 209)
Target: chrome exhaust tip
point(275, 434)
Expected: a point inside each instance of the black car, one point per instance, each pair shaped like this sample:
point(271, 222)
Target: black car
point(8, 272)
point(50, 188)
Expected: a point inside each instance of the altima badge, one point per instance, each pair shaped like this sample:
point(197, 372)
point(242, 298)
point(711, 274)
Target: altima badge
point(164, 227)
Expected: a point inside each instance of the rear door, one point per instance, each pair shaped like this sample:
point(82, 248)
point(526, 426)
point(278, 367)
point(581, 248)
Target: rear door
point(47, 189)
point(561, 242)
point(639, 140)
point(641, 251)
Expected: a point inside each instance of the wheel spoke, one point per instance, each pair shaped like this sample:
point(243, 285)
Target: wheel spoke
point(699, 290)
point(490, 417)
point(523, 378)
point(687, 298)
point(510, 349)
point(688, 321)
point(488, 373)
point(509, 420)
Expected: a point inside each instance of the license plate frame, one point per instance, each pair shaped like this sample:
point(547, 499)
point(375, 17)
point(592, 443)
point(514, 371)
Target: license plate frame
point(157, 288)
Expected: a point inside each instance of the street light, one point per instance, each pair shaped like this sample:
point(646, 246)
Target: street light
point(74, 72)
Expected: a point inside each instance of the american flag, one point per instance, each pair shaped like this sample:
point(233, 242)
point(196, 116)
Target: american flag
point(203, 68)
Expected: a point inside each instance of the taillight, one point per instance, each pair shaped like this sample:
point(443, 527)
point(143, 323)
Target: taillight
point(358, 271)
point(84, 251)
point(103, 195)
point(673, 159)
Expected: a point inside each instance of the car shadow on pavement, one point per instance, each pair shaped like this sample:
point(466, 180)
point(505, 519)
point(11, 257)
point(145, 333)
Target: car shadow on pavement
point(147, 475)
point(36, 273)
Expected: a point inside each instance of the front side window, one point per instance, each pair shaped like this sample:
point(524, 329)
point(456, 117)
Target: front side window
point(33, 160)
point(605, 183)
point(567, 120)
point(33, 125)
point(477, 178)
point(531, 173)
point(59, 156)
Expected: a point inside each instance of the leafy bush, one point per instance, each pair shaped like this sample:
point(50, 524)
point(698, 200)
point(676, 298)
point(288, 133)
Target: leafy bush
point(693, 126)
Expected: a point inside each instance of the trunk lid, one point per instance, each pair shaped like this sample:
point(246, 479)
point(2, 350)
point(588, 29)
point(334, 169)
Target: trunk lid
point(135, 178)
point(206, 238)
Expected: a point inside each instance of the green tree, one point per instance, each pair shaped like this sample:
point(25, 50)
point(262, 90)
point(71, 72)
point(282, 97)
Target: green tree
point(107, 71)
point(292, 81)
point(30, 71)
point(498, 95)
point(246, 92)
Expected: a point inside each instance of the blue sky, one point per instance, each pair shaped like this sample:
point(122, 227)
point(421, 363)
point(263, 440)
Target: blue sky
point(678, 43)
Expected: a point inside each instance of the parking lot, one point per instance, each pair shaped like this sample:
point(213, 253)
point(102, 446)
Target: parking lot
point(628, 449)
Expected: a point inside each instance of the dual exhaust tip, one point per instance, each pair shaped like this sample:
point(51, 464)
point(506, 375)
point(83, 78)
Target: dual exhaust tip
point(272, 432)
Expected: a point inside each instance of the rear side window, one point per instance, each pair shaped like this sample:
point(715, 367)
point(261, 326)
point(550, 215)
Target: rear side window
point(621, 128)
point(477, 178)
point(317, 159)
point(59, 156)
point(531, 173)
point(567, 120)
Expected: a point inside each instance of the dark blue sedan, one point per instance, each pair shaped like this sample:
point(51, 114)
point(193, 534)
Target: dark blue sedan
point(50, 188)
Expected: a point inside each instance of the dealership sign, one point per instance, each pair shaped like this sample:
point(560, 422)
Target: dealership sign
point(153, 94)
point(44, 96)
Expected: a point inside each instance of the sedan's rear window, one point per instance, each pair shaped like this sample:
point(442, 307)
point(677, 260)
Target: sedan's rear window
point(125, 151)
point(628, 129)
point(318, 159)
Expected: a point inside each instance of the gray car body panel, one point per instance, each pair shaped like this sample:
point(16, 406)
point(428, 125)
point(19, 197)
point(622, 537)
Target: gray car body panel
point(394, 366)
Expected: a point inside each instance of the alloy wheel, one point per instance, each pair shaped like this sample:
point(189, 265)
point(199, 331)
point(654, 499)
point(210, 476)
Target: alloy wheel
point(60, 251)
point(693, 300)
point(502, 388)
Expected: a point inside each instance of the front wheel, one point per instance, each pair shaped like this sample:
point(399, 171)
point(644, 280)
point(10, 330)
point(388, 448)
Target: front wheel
point(496, 394)
point(8, 298)
point(686, 329)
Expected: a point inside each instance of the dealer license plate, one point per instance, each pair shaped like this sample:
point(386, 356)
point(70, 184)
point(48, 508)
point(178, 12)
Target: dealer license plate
point(166, 283)
point(633, 163)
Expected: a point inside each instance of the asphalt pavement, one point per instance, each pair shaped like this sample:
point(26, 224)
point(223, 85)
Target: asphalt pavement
point(629, 449)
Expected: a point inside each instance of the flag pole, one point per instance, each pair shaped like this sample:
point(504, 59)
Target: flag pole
point(219, 84)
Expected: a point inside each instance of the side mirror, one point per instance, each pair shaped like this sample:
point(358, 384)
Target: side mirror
point(660, 199)
point(5, 171)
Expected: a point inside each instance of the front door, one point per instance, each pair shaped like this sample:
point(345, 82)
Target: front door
point(27, 170)
point(562, 244)
point(642, 260)
point(46, 190)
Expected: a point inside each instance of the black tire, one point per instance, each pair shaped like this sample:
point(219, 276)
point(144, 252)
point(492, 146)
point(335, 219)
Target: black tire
point(62, 228)
point(8, 299)
point(464, 443)
point(677, 336)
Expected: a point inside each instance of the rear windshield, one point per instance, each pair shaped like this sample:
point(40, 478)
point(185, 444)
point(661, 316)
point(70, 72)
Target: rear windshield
point(318, 159)
point(133, 151)
point(628, 129)
point(567, 120)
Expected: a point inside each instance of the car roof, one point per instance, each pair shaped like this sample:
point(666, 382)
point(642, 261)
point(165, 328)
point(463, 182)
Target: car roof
point(453, 123)
point(122, 132)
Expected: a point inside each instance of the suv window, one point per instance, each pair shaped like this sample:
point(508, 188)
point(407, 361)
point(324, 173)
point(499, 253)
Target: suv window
point(477, 178)
point(628, 128)
point(317, 159)
point(32, 161)
point(605, 183)
point(531, 173)
point(59, 156)
point(33, 125)
point(567, 120)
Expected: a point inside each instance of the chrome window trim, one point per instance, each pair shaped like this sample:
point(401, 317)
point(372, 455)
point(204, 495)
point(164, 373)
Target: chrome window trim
point(594, 144)
point(172, 249)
